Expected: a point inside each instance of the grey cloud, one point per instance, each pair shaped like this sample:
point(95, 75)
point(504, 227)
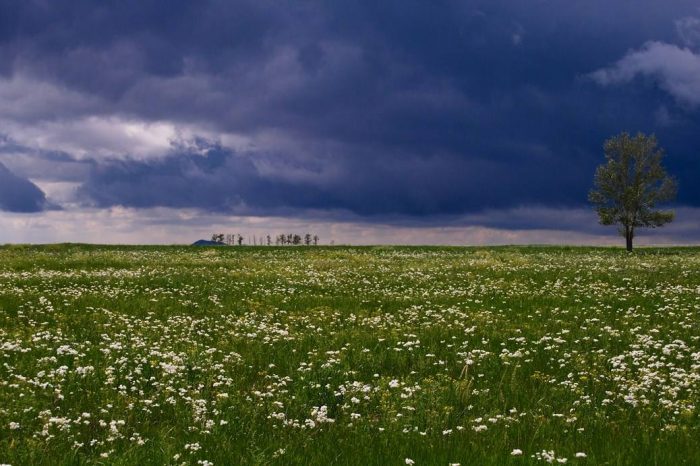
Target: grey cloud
point(38, 164)
point(688, 29)
point(212, 177)
point(19, 194)
point(675, 69)
point(28, 100)
point(363, 108)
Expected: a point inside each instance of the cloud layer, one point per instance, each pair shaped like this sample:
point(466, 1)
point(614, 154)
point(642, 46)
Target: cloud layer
point(675, 69)
point(378, 113)
point(18, 194)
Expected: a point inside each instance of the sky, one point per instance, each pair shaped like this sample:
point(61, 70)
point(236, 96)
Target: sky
point(365, 122)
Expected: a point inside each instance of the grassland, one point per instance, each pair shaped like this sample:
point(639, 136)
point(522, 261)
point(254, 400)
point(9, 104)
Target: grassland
point(371, 356)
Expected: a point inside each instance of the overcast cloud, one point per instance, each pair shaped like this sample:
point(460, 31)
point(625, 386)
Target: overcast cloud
point(375, 116)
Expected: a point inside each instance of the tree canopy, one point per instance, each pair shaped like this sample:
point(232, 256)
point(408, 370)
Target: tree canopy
point(632, 182)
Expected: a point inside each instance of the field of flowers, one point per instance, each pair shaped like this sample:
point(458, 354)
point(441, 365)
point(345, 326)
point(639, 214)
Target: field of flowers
point(371, 356)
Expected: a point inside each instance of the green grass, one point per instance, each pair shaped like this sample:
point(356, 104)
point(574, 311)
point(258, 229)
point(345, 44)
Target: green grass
point(367, 355)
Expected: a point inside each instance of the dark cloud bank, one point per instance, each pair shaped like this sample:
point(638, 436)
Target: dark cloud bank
point(373, 110)
point(18, 194)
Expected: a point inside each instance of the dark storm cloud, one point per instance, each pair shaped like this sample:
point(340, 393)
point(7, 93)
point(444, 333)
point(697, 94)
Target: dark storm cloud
point(212, 177)
point(19, 194)
point(390, 108)
point(48, 165)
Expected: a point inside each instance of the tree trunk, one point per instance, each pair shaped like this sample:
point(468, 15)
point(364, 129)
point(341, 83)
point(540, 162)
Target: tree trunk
point(629, 234)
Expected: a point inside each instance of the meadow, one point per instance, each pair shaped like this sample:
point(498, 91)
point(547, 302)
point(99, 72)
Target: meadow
point(367, 356)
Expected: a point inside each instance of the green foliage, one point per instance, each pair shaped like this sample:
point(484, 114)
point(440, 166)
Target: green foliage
point(368, 355)
point(631, 183)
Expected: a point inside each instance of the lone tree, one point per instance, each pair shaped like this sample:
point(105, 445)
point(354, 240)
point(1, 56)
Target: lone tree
point(631, 183)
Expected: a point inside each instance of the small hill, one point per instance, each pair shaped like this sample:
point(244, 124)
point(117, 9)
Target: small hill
point(206, 242)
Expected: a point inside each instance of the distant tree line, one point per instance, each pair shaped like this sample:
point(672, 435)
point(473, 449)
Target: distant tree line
point(235, 239)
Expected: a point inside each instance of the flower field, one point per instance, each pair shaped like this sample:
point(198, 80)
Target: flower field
point(368, 356)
